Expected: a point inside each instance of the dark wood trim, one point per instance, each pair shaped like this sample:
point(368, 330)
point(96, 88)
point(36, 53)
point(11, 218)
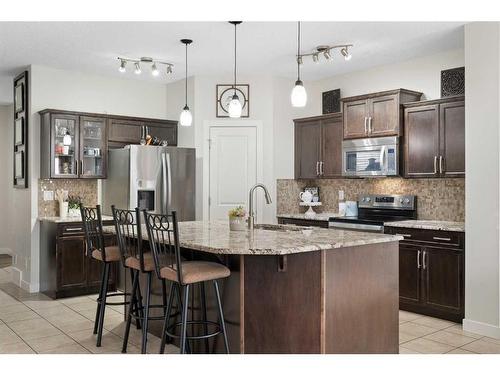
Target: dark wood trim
point(24, 147)
point(449, 99)
point(380, 93)
point(303, 222)
point(321, 117)
point(104, 115)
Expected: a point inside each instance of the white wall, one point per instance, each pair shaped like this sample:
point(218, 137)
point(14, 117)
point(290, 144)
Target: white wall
point(68, 90)
point(482, 164)
point(6, 187)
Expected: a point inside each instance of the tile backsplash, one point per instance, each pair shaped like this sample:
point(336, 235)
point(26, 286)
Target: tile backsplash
point(85, 189)
point(437, 199)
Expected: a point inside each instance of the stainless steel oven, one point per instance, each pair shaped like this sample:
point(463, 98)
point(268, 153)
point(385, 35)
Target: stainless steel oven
point(370, 157)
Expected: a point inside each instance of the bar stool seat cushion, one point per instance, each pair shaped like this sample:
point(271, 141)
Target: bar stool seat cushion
point(112, 254)
point(135, 263)
point(196, 271)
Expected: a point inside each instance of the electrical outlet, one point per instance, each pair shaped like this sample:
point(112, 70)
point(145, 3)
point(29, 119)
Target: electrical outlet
point(341, 195)
point(48, 195)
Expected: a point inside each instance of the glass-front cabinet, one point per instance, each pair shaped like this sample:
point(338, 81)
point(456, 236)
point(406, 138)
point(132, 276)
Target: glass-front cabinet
point(78, 147)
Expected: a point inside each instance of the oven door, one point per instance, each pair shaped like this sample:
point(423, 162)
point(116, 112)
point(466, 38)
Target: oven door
point(370, 157)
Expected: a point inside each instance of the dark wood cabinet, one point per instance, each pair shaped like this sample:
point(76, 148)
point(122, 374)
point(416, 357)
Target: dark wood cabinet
point(375, 115)
point(434, 138)
point(65, 268)
point(318, 147)
point(75, 144)
point(431, 272)
point(303, 222)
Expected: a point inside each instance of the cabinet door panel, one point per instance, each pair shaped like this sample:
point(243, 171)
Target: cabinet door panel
point(331, 147)
point(93, 147)
point(71, 262)
point(421, 141)
point(307, 149)
point(166, 132)
point(125, 131)
point(452, 128)
point(384, 116)
point(443, 278)
point(409, 273)
point(355, 116)
point(64, 148)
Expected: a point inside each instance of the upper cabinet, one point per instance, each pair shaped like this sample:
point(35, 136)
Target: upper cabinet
point(434, 138)
point(75, 144)
point(375, 115)
point(72, 146)
point(318, 147)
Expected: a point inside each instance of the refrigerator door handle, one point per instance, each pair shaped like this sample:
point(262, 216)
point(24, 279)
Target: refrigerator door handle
point(164, 183)
point(169, 182)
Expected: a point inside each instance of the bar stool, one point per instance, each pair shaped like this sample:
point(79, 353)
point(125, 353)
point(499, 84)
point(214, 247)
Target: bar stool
point(163, 234)
point(130, 244)
point(96, 249)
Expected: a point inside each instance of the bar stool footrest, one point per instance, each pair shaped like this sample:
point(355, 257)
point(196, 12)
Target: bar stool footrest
point(197, 322)
point(115, 294)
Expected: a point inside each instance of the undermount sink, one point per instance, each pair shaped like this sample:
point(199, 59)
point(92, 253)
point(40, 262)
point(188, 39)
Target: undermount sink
point(280, 228)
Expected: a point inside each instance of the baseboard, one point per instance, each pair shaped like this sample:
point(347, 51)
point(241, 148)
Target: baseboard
point(4, 250)
point(16, 276)
point(480, 328)
point(17, 279)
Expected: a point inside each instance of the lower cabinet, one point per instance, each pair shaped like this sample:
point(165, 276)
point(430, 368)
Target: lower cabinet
point(431, 272)
point(65, 268)
point(303, 222)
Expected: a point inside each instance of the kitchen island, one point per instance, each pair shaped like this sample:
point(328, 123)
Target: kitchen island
point(300, 290)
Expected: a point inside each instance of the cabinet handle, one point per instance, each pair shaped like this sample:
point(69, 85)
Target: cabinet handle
point(435, 164)
point(370, 125)
point(321, 168)
point(81, 166)
point(418, 259)
point(424, 260)
point(441, 169)
point(403, 235)
point(73, 229)
point(317, 168)
point(366, 128)
point(441, 238)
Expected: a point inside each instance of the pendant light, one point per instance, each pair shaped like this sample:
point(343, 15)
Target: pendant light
point(186, 118)
point(235, 106)
point(299, 94)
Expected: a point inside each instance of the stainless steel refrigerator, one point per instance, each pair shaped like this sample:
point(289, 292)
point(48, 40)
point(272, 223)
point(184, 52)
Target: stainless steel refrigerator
point(158, 179)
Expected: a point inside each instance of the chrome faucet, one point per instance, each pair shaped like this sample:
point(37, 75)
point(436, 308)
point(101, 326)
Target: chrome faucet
point(251, 214)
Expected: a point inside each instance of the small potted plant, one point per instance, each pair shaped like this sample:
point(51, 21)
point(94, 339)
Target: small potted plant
point(74, 205)
point(237, 219)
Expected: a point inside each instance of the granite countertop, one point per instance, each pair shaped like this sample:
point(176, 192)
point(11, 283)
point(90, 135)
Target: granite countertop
point(215, 237)
point(452, 226)
point(68, 219)
point(323, 216)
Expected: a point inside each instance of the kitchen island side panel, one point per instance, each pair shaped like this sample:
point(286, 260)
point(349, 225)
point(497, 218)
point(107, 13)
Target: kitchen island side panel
point(361, 299)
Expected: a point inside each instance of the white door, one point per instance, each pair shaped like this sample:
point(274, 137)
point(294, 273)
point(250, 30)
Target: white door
point(233, 168)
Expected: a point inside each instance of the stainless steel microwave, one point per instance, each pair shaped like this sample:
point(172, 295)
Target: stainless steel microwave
point(370, 157)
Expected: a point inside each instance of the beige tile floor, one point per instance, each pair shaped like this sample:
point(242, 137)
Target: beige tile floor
point(33, 323)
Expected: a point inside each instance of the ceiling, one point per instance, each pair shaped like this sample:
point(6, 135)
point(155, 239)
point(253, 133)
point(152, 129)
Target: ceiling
point(263, 47)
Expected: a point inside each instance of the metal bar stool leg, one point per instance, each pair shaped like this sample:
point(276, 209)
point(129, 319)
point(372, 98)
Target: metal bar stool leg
point(221, 315)
point(164, 295)
point(131, 309)
point(133, 300)
point(167, 318)
point(99, 300)
point(184, 319)
point(146, 314)
point(103, 303)
point(204, 312)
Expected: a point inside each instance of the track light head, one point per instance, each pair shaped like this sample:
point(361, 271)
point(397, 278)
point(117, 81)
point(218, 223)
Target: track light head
point(137, 68)
point(154, 70)
point(122, 68)
point(315, 57)
point(327, 54)
point(345, 52)
point(169, 69)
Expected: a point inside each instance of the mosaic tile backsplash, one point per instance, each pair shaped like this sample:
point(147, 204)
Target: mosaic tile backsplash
point(437, 199)
point(85, 189)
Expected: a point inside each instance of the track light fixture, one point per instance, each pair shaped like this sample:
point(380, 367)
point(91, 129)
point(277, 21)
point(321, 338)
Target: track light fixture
point(327, 52)
point(155, 71)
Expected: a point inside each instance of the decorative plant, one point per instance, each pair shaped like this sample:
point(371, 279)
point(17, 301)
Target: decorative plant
point(74, 202)
point(237, 212)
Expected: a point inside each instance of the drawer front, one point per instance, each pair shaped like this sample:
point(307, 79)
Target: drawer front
point(430, 237)
point(66, 230)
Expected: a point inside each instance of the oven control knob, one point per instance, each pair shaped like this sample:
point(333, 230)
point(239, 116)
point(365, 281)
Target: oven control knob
point(368, 199)
point(406, 201)
point(401, 200)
